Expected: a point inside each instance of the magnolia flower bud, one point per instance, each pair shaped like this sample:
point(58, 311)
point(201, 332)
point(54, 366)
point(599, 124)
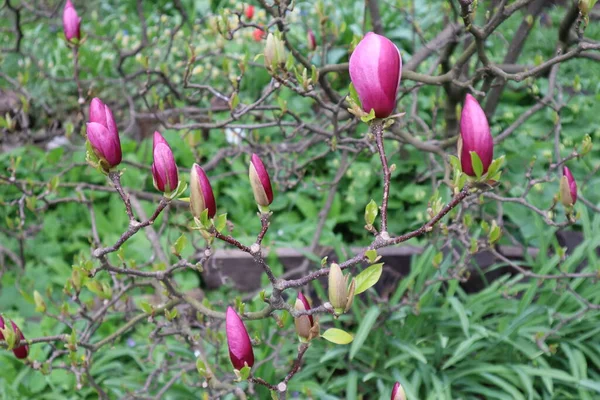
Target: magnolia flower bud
point(201, 193)
point(71, 22)
point(375, 70)
point(398, 392)
point(474, 136)
point(260, 181)
point(240, 347)
point(585, 6)
point(568, 188)
point(103, 134)
point(20, 352)
point(1, 327)
point(258, 34)
point(274, 51)
point(250, 12)
point(340, 295)
point(307, 327)
point(311, 40)
point(164, 169)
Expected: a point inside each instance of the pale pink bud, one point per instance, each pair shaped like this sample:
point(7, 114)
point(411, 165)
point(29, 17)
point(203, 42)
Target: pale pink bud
point(20, 352)
point(312, 41)
point(307, 327)
point(474, 136)
point(164, 169)
point(260, 181)
point(398, 392)
point(568, 188)
point(341, 295)
point(375, 70)
point(71, 22)
point(238, 341)
point(201, 193)
point(103, 134)
point(249, 12)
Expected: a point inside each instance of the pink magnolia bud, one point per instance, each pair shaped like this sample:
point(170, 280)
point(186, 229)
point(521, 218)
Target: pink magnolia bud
point(258, 34)
point(201, 193)
point(240, 347)
point(398, 392)
point(307, 327)
point(375, 70)
point(568, 188)
point(260, 181)
point(164, 169)
point(474, 136)
point(250, 12)
point(312, 41)
point(103, 134)
point(20, 352)
point(71, 22)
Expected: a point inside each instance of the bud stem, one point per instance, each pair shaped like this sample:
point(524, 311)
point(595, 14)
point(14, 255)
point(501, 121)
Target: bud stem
point(377, 130)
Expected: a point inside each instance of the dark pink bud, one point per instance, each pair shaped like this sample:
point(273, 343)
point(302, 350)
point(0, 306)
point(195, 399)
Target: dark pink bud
point(258, 34)
point(375, 70)
point(250, 12)
point(572, 183)
point(312, 41)
point(240, 346)
point(104, 144)
point(260, 181)
point(474, 136)
point(201, 193)
point(164, 169)
point(20, 352)
point(568, 188)
point(100, 113)
point(1, 327)
point(398, 392)
point(71, 22)
point(103, 134)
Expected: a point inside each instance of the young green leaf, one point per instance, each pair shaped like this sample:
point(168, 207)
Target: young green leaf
point(40, 304)
point(477, 165)
point(179, 245)
point(221, 222)
point(368, 278)
point(371, 212)
point(337, 336)
point(371, 255)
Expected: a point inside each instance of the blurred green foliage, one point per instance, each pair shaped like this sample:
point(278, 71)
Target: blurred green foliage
point(450, 344)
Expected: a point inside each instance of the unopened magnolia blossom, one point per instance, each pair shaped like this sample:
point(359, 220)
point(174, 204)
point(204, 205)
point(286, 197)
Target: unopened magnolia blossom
point(22, 351)
point(568, 188)
point(201, 193)
point(398, 392)
point(71, 22)
point(341, 295)
point(238, 341)
point(307, 326)
point(164, 169)
point(103, 134)
point(375, 71)
point(475, 137)
point(260, 181)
